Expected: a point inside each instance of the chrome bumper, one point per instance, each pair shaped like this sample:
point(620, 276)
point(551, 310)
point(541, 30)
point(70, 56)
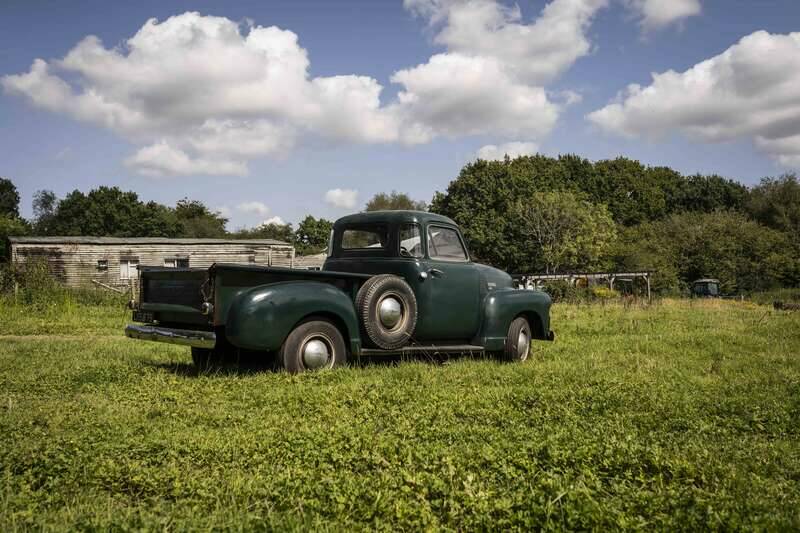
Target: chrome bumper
point(184, 337)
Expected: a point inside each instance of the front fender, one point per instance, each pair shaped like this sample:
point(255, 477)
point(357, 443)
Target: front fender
point(501, 306)
point(260, 318)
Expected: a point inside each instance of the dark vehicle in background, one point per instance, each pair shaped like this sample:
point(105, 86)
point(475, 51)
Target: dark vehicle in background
point(394, 282)
point(706, 288)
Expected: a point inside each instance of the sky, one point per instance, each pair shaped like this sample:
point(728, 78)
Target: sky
point(272, 110)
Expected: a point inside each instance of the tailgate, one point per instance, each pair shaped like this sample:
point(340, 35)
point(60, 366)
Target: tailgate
point(172, 295)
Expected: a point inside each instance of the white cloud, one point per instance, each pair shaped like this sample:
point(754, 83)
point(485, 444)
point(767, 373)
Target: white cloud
point(205, 95)
point(457, 95)
point(493, 152)
point(491, 79)
point(224, 211)
point(161, 159)
point(273, 220)
point(343, 198)
point(748, 91)
point(656, 14)
point(537, 52)
point(257, 208)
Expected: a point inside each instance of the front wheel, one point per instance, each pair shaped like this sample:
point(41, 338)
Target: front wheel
point(518, 341)
point(315, 344)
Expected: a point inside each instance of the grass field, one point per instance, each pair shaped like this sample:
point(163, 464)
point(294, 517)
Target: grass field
point(681, 415)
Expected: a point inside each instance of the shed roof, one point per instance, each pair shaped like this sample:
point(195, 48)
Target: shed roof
point(139, 240)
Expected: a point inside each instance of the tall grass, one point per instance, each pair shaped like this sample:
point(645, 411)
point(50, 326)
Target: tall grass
point(680, 415)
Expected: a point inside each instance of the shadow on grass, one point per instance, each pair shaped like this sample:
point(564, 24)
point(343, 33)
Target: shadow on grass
point(251, 366)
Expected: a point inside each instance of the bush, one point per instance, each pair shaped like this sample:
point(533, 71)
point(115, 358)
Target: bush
point(33, 284)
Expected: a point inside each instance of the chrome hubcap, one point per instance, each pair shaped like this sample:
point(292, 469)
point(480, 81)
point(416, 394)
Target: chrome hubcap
point(316, 354)
point(523, 345)
point(390, 312)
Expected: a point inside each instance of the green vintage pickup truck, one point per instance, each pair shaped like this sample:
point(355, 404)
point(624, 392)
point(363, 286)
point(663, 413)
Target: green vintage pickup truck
point(393, 282)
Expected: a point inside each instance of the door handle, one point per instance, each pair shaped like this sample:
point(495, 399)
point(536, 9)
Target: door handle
point(436, 273)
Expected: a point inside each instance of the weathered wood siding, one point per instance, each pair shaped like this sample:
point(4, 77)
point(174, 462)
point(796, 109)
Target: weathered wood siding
point(76, 265)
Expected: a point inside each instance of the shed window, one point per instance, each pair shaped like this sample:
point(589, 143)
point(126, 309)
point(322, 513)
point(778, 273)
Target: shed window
point(102, 264)
point(177, 262)
point(128, 268)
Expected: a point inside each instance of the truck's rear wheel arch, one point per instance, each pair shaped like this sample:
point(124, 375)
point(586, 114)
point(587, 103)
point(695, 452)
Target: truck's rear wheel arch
point(335, 319)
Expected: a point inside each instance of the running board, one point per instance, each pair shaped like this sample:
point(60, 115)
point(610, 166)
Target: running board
point(423, 349)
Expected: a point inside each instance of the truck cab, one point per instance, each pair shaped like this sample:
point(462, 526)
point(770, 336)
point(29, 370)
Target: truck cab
point(393, 282)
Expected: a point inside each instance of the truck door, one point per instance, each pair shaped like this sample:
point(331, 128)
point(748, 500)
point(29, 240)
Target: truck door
point(450, 309)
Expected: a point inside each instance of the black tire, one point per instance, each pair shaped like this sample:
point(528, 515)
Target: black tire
point(204, 358)
point(368, 302)
point(514, 350)
point(291, 354)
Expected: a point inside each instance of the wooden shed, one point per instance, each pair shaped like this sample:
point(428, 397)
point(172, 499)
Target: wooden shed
point(114, 261)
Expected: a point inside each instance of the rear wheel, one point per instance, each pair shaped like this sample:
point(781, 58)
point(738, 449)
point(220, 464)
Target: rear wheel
point(315, 344)
point(518, 341)
point(204, 358)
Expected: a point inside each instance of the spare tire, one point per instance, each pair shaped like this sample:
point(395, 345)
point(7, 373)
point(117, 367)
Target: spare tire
point(388, 310)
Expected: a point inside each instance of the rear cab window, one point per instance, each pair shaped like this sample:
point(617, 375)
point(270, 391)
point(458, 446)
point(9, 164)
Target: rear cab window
point(365, 239)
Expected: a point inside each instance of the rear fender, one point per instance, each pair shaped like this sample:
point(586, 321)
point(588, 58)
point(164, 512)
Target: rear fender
point(260, 318)
point(502, 306)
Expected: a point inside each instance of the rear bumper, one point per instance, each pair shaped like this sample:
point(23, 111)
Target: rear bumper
point(183, 337)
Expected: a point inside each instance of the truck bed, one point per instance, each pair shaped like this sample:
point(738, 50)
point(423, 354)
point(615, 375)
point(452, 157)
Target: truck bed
point(175, 296)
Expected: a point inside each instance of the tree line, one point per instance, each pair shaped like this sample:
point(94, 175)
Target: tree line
point(112, 212)
point(536, 214)
point(530, 214)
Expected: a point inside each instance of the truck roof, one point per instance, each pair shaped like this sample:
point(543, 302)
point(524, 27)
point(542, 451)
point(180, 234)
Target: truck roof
point(393, 217)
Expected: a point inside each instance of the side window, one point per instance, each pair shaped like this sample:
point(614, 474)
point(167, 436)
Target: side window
point(128, 268)
point(444, 243)
point(177, 262)
point(410, 241)
point(375, 238)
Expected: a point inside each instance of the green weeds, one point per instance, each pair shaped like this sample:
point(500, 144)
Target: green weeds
point(678, 415)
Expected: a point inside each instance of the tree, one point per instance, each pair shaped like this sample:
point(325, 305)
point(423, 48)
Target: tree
point(197, 221)
point(9, 199)
point(280, 232)
point(10, 227)
point(312, 235)
point(109, 211)
point(711, 193)
point(564, 231)
point(775, 202)
point(741, 253)
point(480, 199)
point(394, 201)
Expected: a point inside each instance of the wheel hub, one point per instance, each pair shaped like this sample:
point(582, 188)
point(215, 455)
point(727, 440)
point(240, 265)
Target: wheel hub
point(523, 345)
point(390, 312)
point(316, 354)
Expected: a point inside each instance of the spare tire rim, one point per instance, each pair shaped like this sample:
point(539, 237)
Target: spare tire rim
point(523, 345)
point(391, 312)
point(316, 352)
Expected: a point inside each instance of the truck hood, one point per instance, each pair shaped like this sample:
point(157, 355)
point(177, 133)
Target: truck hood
point(493, 278)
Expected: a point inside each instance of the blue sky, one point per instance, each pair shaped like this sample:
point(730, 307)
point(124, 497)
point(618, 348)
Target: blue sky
point(168, 119)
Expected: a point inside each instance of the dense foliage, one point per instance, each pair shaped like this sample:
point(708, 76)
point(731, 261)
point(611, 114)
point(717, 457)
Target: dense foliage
point(394, 201)
point(525, 215)
point(681, 227)
point(9, 199)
